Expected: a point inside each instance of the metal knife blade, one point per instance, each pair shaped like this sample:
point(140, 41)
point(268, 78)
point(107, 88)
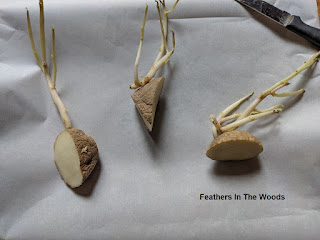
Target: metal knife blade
point(269, 10)
point(291, 22)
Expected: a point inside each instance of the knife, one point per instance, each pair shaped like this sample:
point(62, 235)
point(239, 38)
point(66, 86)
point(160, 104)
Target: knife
point(291, 22)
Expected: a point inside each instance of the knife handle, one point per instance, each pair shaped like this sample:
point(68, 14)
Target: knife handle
point(299, 27)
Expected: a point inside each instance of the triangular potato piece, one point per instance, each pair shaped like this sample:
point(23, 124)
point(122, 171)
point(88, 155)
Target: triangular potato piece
point(234, 145)
point(146, 99)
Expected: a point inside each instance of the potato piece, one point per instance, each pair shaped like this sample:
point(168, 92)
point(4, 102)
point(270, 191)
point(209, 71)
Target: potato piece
point(75, 155)
point(146, 99)
point(234, 145)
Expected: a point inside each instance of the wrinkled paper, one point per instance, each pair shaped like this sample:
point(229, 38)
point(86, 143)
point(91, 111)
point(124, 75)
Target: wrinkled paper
point(148, 186)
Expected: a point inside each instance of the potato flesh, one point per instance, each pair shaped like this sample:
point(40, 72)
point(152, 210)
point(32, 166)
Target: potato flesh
point(67, 159)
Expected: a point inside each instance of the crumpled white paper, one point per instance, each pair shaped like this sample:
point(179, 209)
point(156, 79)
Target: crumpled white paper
point(147, 186)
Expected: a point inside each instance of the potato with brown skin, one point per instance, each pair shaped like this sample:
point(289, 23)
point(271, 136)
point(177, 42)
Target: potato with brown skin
point(75, 155)
point(146, 99)
point(234, 145)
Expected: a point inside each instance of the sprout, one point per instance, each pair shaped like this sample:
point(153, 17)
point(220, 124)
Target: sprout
point(44, 67)
point(164, 54)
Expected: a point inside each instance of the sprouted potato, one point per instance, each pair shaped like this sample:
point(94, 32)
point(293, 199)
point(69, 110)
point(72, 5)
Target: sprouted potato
point(75, 153)
point(146, 98)
point(231, 144)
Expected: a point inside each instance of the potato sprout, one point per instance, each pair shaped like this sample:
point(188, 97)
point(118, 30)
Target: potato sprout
point(164, 54)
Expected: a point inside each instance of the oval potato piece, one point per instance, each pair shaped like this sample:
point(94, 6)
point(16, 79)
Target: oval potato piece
point(234, 145)
point(75, 155)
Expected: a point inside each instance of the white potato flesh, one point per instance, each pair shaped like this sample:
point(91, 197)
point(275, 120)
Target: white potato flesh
point(67, 159)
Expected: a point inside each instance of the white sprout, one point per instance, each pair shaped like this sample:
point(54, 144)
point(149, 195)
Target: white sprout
point(251, 113)
point(44, 67)
point(164, 54)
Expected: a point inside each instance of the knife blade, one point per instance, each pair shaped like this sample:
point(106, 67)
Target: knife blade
point(291, 22)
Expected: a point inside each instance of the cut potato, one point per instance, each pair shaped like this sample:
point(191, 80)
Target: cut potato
point(146, 99)
point(75, 155)
point(234, 145)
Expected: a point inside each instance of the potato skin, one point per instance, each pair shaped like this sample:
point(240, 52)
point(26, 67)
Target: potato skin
point(88, 158)
point(232, 143)
point(144, 99)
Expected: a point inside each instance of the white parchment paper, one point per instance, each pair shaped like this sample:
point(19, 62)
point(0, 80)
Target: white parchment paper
point(147, 186)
